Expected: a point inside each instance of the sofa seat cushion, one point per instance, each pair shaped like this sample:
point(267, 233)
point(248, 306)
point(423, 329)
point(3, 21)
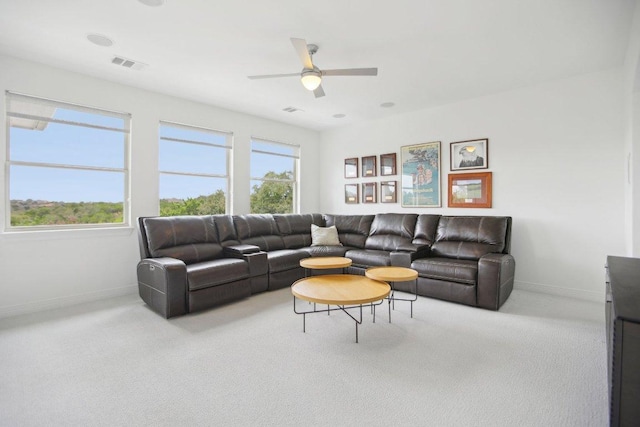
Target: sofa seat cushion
point(451, 270)
point(217, 272)
point(327, 250)
point(369, 257)
point(285, 259)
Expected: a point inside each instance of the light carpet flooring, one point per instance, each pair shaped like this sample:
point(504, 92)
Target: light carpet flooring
point(539, 361)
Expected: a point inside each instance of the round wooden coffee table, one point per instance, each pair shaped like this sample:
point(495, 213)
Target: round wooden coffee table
point(391, 275)
point(324, 263)
point(346, 291)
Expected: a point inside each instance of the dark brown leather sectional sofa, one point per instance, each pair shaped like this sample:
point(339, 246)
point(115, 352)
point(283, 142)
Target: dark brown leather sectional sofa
point(192, 263)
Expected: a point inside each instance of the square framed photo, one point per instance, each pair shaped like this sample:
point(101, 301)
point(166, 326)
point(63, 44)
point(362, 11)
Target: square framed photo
point(388, 164)
point(351, 168)
point(369, 192)
point(388, 192)
point(351, 193)
point(369, 166)
point(470, 190)
point(420, 185)
point(472, 154)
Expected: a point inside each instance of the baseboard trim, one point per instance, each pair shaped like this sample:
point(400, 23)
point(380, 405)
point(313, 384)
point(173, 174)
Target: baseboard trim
point(564, 292)
point(37, 306)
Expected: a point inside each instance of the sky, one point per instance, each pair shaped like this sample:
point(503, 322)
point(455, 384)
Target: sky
point(79, 145)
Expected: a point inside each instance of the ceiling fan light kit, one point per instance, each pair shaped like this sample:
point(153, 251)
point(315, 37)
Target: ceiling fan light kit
point(311, 76)
point(311, 79)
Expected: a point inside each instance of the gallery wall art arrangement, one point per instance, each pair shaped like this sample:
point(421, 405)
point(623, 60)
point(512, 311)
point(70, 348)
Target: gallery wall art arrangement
point(420, 176)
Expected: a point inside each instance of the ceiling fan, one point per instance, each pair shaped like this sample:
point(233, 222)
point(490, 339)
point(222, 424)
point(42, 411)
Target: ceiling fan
point(311, 76)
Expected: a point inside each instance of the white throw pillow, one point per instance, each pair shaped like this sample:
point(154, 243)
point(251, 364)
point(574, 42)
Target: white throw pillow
point(324, 236)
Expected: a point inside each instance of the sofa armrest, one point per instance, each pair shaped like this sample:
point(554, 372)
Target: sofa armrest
point(238, 251)
point(162, 284)
point(495, 280)
point(258, 264)
point(252, 254)
point(404, 258)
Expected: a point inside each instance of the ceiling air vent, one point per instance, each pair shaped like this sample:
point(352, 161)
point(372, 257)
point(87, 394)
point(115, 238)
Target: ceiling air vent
point(128, 63)
point(291, 109)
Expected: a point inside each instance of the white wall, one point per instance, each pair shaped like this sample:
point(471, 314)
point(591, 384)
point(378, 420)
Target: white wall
point(632, 136)
point(557, 155)
point(43, 270)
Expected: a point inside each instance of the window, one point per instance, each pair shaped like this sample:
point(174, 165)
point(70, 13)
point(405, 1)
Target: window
point(194, 170)
point(273, 177)
point(67, 165)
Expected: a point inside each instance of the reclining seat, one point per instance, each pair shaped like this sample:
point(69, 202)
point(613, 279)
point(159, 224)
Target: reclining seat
point(353, 231)
point(390, 235)
point(469, 262)
point(258, 267)
point(183, 268)
point(262, 231)
point(295, 229)
point(296, 234)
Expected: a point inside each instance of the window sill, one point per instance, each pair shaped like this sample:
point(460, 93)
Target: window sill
point(78, 233)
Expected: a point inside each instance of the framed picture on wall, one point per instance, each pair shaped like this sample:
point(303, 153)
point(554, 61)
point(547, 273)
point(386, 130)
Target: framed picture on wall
point(420, 184)
point(351, 168)
point(388, 164)
point(388, 192)
point(369, 191)
point(470, 190)
point(368, 166)
point(351, 193)
point(472, 154)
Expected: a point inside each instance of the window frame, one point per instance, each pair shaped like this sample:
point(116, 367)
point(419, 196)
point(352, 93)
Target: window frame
point(295, 173)
point(125, 170)
point(228, 148)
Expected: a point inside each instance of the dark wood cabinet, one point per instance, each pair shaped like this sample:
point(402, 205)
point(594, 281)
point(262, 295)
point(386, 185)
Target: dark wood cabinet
point(623, 340)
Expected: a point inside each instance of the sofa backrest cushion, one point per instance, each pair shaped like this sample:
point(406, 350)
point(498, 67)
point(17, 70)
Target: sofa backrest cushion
point(295, 229)
point(391, 231)
point(353, 230)
point(192, 238)
point(470, 238)
point(259, 230)
point(426, 228)
point(226, 230)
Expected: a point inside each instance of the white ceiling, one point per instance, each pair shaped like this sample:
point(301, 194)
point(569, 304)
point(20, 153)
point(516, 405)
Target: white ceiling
point(428, 52)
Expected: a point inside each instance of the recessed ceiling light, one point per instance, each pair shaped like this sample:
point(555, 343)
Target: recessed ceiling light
point(100, 40)
point(387, 104)
point(339, 116)
point(152, 3)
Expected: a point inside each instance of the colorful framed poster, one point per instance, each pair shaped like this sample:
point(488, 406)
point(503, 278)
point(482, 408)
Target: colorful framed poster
point(420, 183)
point(470, 190)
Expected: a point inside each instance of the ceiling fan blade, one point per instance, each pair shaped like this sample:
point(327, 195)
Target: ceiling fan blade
point(319, 92)
point(300, 45)
point(351, 72)
point(268, 76)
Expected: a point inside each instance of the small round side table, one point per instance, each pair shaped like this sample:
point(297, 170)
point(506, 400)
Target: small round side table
point(391, 275)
